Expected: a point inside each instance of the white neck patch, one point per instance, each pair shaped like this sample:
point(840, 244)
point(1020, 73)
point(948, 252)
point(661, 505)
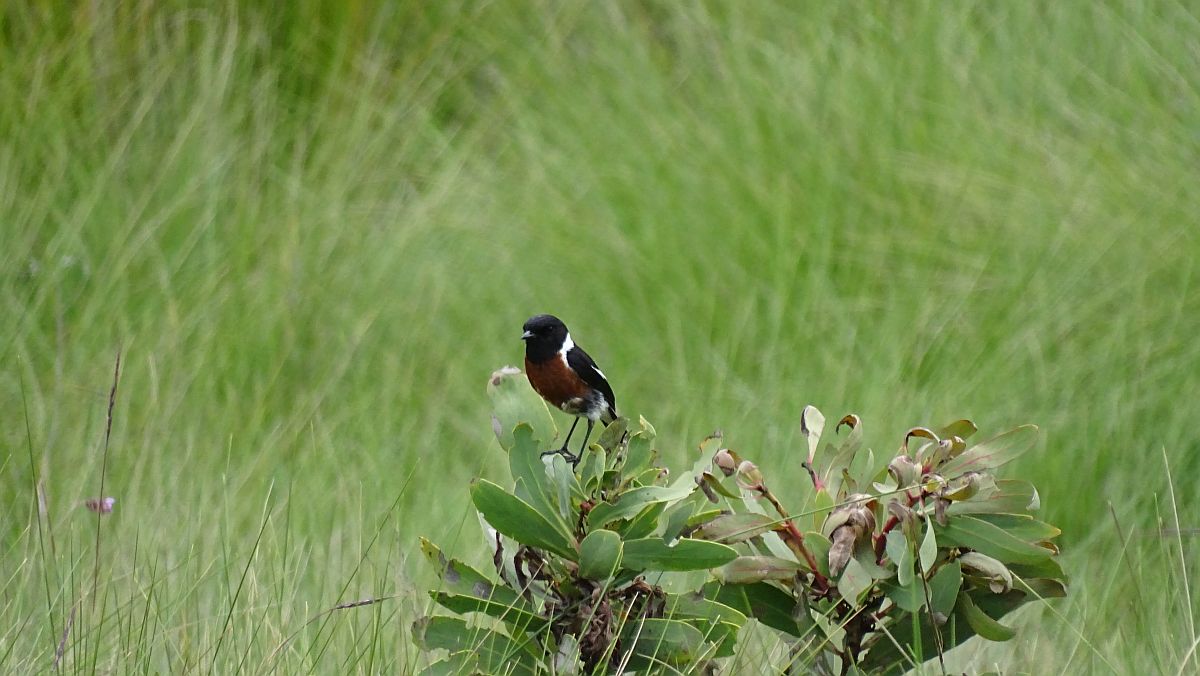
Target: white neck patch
point(566, 346)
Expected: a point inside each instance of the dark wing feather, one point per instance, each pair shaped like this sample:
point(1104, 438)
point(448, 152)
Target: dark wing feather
point(585, 366)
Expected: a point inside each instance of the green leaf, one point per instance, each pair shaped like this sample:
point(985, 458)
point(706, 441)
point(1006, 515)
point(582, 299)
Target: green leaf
point(928, 552)
point(1048, 568)
point(514, 517)
point(766, 603)
point(657, 641)
point(842, 458)
point(701, 518)
point(909, 597)
point(731, 528)
point(459, 578)
point(863, 469)
point(853, 582)
point(1039, 588)
point(812, 424)
point(818, 545)
point(591, 469)
point(822, 506)
point(715, 484)
point(1022, 526)
point(980, 622)
point(532, 482)
point(968, 531)
point(696, 605)
point(456, 664)
point(517, 615)
point(566, 487)
point(999, 578)
point(515, 402)
point(716, 621)
point(723, 634)
point(944, 586)
point(992, 453)
point(644, 524)
point(864, 553)
point(464, 589)
point(679, 516)
point(747, 569)
point(639, 453)
point(885, 653)
point(612, 435)
point(901, 554)
point(1008, 496)
point(600, 555)
point(633, 501)
point(494, 651)
point(686, 554)
point(962, 429)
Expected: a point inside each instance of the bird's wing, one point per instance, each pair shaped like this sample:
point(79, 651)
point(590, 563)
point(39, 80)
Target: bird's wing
point(585, 366)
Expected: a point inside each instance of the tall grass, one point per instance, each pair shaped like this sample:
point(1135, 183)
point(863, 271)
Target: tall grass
point(313, 231)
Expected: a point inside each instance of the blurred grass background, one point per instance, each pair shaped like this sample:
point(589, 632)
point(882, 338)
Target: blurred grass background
point(313, 230)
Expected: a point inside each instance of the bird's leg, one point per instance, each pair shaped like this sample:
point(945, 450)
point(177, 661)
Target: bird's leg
point(567, 455)
point(586, 436)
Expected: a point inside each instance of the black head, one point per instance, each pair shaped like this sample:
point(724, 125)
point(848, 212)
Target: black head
point(544, 336)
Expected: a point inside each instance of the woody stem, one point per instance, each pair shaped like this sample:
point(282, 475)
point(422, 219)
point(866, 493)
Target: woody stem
point(794, 539)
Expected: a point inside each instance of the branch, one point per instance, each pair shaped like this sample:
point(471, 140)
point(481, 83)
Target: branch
point(794, 539)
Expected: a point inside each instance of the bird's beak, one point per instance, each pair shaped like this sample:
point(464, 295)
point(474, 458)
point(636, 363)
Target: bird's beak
point(527, 335)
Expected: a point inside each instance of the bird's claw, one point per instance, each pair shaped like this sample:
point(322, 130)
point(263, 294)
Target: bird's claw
point(567, 455)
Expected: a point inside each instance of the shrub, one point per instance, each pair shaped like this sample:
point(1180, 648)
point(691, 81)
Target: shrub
point(618, 566)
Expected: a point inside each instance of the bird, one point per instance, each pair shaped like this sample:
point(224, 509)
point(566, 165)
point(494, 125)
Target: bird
point(567, 377)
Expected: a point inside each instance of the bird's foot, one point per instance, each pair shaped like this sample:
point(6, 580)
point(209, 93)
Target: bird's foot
point(567, 455)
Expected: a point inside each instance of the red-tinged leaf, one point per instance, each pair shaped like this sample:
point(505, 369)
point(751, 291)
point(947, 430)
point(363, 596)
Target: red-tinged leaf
point(919, 432)
point(992, 453)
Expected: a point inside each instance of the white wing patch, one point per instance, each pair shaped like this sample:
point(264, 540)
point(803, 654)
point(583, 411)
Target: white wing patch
point(567, 346)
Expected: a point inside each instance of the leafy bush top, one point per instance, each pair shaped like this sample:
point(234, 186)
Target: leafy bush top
point(617, 566)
